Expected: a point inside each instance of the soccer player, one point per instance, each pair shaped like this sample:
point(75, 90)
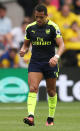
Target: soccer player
point(44, 35)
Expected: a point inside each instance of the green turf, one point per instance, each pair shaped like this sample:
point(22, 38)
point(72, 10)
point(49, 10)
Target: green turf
point(67, 117)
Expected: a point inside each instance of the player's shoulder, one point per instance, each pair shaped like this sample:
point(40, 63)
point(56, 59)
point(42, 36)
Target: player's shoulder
point(31, 25)
point(50, 22)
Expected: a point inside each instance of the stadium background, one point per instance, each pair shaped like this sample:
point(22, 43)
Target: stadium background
point(13, 73)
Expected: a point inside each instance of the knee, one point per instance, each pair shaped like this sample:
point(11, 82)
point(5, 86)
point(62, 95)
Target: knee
point(33, 89)
point(51, 92)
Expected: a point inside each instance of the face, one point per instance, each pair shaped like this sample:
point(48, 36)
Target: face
point(48, 2)
point(2, 13)
point(27, 21)
point(12, 54)
point(75, 26)
point(40, 18)
point(78, 3)
point(65, 10)
point(68, 2)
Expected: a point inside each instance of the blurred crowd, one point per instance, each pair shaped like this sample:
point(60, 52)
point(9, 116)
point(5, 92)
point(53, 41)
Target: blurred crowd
point(65, 13)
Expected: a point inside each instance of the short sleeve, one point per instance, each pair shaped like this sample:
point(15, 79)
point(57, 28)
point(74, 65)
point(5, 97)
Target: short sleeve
point(27, 35)
point(57, 32)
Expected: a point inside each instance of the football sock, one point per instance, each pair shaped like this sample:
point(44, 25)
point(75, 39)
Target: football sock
point(31, 103)
point(52, 101)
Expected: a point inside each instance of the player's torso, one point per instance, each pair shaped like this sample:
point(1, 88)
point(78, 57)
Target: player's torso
point(42, 36)
point(43, 41)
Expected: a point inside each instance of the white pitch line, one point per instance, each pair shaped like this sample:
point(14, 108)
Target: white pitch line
point(42, 107)
point(12, 108)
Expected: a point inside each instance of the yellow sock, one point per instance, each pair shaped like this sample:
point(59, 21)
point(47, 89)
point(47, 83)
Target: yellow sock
point(31, 103)
point(52, 101)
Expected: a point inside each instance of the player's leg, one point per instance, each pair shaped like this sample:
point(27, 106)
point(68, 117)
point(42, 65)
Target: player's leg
point(52, 99)
point(34, 79)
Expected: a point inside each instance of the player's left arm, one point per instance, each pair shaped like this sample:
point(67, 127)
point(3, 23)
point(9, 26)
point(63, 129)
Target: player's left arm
point(59, 41)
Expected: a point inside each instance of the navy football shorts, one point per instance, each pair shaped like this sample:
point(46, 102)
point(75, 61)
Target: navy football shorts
point(45, 68)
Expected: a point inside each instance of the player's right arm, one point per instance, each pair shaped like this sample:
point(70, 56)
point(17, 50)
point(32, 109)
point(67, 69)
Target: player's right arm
point(25, 47)
point(26, 44)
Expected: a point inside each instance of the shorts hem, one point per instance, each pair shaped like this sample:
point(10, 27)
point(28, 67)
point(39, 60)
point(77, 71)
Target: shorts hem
point(50, 77)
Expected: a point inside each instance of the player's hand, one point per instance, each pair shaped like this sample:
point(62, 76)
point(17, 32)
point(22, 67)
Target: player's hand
point(53, 61)
point(22, 53)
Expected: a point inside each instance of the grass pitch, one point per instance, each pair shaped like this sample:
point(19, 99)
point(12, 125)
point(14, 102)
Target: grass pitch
point(67, 117)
